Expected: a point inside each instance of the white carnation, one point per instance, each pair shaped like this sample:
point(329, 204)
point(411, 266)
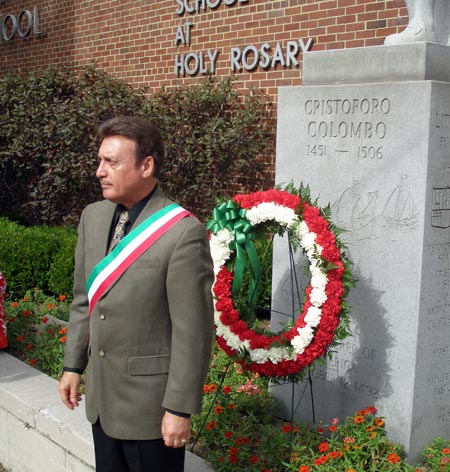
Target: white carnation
point(313, 316)
point(268, 211)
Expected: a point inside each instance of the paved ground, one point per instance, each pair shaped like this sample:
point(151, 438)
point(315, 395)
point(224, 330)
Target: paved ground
point(2, 469)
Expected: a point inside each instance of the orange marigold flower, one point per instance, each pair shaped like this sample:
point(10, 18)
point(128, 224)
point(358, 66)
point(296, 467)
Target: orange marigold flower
point(50, 306)
point(231, 406)
point(14, 304)
point(446, 450)
point(323, 447)
point(211, 425)
point(63, 339)
point(351, 470)
point(20, 338)
point(218, 409)
point(62, 331)
point(361, 412)
point(370, 428)
point(378, 422)
point(213, 387)
point(304, 468)
point(358, 419)
point(26, 299)
point(393, 458)
point(332, 428)
point(62, 298)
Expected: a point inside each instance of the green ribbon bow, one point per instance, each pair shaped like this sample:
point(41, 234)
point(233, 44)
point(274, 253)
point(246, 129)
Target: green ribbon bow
point(226, 215)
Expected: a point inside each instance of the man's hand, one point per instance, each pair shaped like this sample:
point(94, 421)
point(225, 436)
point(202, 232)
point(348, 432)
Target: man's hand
point(69, 389)
point(176, 430)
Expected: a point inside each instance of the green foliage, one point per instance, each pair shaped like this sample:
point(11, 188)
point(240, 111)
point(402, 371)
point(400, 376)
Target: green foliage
point(37, 330)
point(214, 140)
point(47, 139)
point(48, 145)
point(37, 257)
point(436, 456)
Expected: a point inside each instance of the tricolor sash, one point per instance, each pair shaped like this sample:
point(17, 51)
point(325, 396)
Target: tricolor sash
point(129, 249)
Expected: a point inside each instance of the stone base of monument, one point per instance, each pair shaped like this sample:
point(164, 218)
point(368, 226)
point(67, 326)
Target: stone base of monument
point(369, 131)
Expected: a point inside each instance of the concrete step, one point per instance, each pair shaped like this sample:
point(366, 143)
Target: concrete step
point(38, 433)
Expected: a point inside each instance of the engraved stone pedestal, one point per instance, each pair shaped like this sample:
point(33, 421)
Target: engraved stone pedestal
point(369, 131)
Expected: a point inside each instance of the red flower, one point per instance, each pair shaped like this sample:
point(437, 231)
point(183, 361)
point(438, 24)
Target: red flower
point(50, 306)
point(218, 409)
point(304, 468)
point(241, 441)
point(14, 304)
point(335, 454)
point(62, 298)
point(332, 428)
point(45, 319)
point(32, 361)
point(446, 450)
point(254, 459)
point(20, 338)
point(323, 447)
point(393, 458)
point(232, 459)
point(26, 313)
point(211, 425)
point(286, 428)
point(234, 451)
point(63, 339)
point(320, 460)
point(227, 390)
point(29, 346)
point(62, 331)
point(229, 434)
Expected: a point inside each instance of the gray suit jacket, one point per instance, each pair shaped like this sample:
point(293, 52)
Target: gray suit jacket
point(149, 337)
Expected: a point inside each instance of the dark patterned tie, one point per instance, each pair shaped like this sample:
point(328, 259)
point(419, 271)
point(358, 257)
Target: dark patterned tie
point(119, 231)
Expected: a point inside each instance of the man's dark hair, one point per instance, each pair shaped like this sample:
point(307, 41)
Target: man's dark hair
point(145, 134)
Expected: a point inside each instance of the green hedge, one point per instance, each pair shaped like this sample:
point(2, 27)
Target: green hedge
point(48, 149)
point(37, 257)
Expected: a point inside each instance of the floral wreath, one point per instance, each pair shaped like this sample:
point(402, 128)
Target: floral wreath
point(324, 318)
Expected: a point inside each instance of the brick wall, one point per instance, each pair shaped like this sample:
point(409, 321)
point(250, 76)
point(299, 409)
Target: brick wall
point(134, 39)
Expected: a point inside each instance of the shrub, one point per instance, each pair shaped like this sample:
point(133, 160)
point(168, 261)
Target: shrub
point(215, 141)
point(36, 257)
point(48, 151)
point(48, 146)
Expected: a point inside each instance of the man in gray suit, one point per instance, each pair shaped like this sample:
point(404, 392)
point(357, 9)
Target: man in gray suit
point(142, 314)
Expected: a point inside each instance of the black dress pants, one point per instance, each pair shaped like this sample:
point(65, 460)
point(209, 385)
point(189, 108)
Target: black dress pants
point(117, 455)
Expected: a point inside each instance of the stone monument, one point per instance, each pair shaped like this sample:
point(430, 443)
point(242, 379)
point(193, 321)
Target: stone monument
point(369, 132)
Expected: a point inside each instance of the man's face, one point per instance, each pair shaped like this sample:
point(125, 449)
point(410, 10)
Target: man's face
point(122, 178)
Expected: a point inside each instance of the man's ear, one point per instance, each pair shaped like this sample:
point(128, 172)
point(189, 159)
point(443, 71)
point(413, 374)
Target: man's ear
point(148, 167)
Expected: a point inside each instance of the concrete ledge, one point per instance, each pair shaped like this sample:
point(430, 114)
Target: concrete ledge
point(38, 433)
